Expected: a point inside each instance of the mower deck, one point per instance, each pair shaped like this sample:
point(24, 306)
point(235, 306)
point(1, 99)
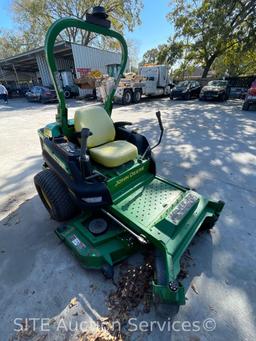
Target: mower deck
point(95, 251)
point(165, 214)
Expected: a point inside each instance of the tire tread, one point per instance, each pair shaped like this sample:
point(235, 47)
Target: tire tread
point(62, 204)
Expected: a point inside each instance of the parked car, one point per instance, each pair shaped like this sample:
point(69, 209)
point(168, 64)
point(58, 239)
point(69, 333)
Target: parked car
point(17, 91)
point(250, 98)
point(237, 92)
point(186, 90)
point(215, 90)
point(41, 94)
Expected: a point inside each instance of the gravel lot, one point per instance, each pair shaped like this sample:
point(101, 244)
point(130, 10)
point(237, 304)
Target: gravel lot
point(207, 146)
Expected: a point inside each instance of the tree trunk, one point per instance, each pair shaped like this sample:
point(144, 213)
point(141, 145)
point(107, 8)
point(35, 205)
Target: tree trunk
point(208, 65)
point(86, 38)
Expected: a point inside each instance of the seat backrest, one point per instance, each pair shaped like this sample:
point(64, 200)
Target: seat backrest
point(98, 121)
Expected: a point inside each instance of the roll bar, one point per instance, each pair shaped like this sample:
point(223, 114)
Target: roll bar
point(54, 30)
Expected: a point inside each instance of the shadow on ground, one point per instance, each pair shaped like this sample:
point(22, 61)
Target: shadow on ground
point(206, 146)
point(42, 276)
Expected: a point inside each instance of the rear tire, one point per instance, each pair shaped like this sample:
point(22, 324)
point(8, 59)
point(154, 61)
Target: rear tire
point(223, 98)
point(41, 100)
point(246, 106)
point(187, 96)
point(137, 96)
point(127, 97)
point(55, 195)
point(67, 94)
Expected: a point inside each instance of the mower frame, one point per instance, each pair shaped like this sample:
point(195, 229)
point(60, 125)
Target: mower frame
point(142, 209)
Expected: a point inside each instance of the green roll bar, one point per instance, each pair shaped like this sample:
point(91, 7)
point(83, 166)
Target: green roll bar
point(53, 32)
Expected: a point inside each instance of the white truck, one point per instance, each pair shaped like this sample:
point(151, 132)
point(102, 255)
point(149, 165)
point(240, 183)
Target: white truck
point(155, 81)
point(152, 80)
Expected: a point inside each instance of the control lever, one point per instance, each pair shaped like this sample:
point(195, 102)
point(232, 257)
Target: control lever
point(84, 158)
point(158, 115)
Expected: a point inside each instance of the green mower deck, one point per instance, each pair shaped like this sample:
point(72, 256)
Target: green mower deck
point(163, 213)
point(95, 251)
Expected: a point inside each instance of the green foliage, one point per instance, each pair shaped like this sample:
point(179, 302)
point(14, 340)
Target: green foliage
point(150, 56)
point(39, 14)
point(11, 44)
point(164, 54)
point(213, 27)
point(236, 62)
point(172, 52)
point(185, 70)
point(35, 16)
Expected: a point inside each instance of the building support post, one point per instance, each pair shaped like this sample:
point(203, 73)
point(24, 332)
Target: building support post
point(16, 75)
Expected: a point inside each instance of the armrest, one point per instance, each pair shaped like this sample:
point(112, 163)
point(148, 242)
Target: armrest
point(122, 124)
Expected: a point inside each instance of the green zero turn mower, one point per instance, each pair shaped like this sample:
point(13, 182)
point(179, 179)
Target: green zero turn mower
point(100, 178)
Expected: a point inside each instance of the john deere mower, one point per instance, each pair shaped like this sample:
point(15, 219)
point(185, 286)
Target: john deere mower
point(99, 178)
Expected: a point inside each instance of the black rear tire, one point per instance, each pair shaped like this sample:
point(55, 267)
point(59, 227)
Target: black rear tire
point(127, 97)
point(246, 106)
point(223, 98)
point(137, 96)
point(55, 195)
point(42, 100)
point(187, 96)
point(67, 93)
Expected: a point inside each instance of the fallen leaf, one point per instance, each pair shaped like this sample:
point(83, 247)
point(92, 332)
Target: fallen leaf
point(41, 337)
point(212, 309)
point(194, 288)
point(194, 338)
point(51, 321)
point(73, 302)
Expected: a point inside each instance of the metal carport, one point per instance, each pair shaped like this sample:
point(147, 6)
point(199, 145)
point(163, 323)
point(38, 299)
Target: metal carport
point(31, 66)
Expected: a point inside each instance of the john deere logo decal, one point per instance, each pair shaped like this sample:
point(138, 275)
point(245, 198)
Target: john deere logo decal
point(129, 176)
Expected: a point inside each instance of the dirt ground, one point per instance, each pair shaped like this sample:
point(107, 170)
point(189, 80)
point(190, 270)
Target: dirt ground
point(207, 146)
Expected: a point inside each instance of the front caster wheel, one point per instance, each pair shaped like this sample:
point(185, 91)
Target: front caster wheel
point(208, 223)
point(108, 271)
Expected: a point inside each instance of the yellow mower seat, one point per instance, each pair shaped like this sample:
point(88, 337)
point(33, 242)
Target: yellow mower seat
point(103, 147)
point(114, 154)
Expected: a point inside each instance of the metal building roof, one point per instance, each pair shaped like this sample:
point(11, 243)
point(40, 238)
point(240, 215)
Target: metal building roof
point(27, 61)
